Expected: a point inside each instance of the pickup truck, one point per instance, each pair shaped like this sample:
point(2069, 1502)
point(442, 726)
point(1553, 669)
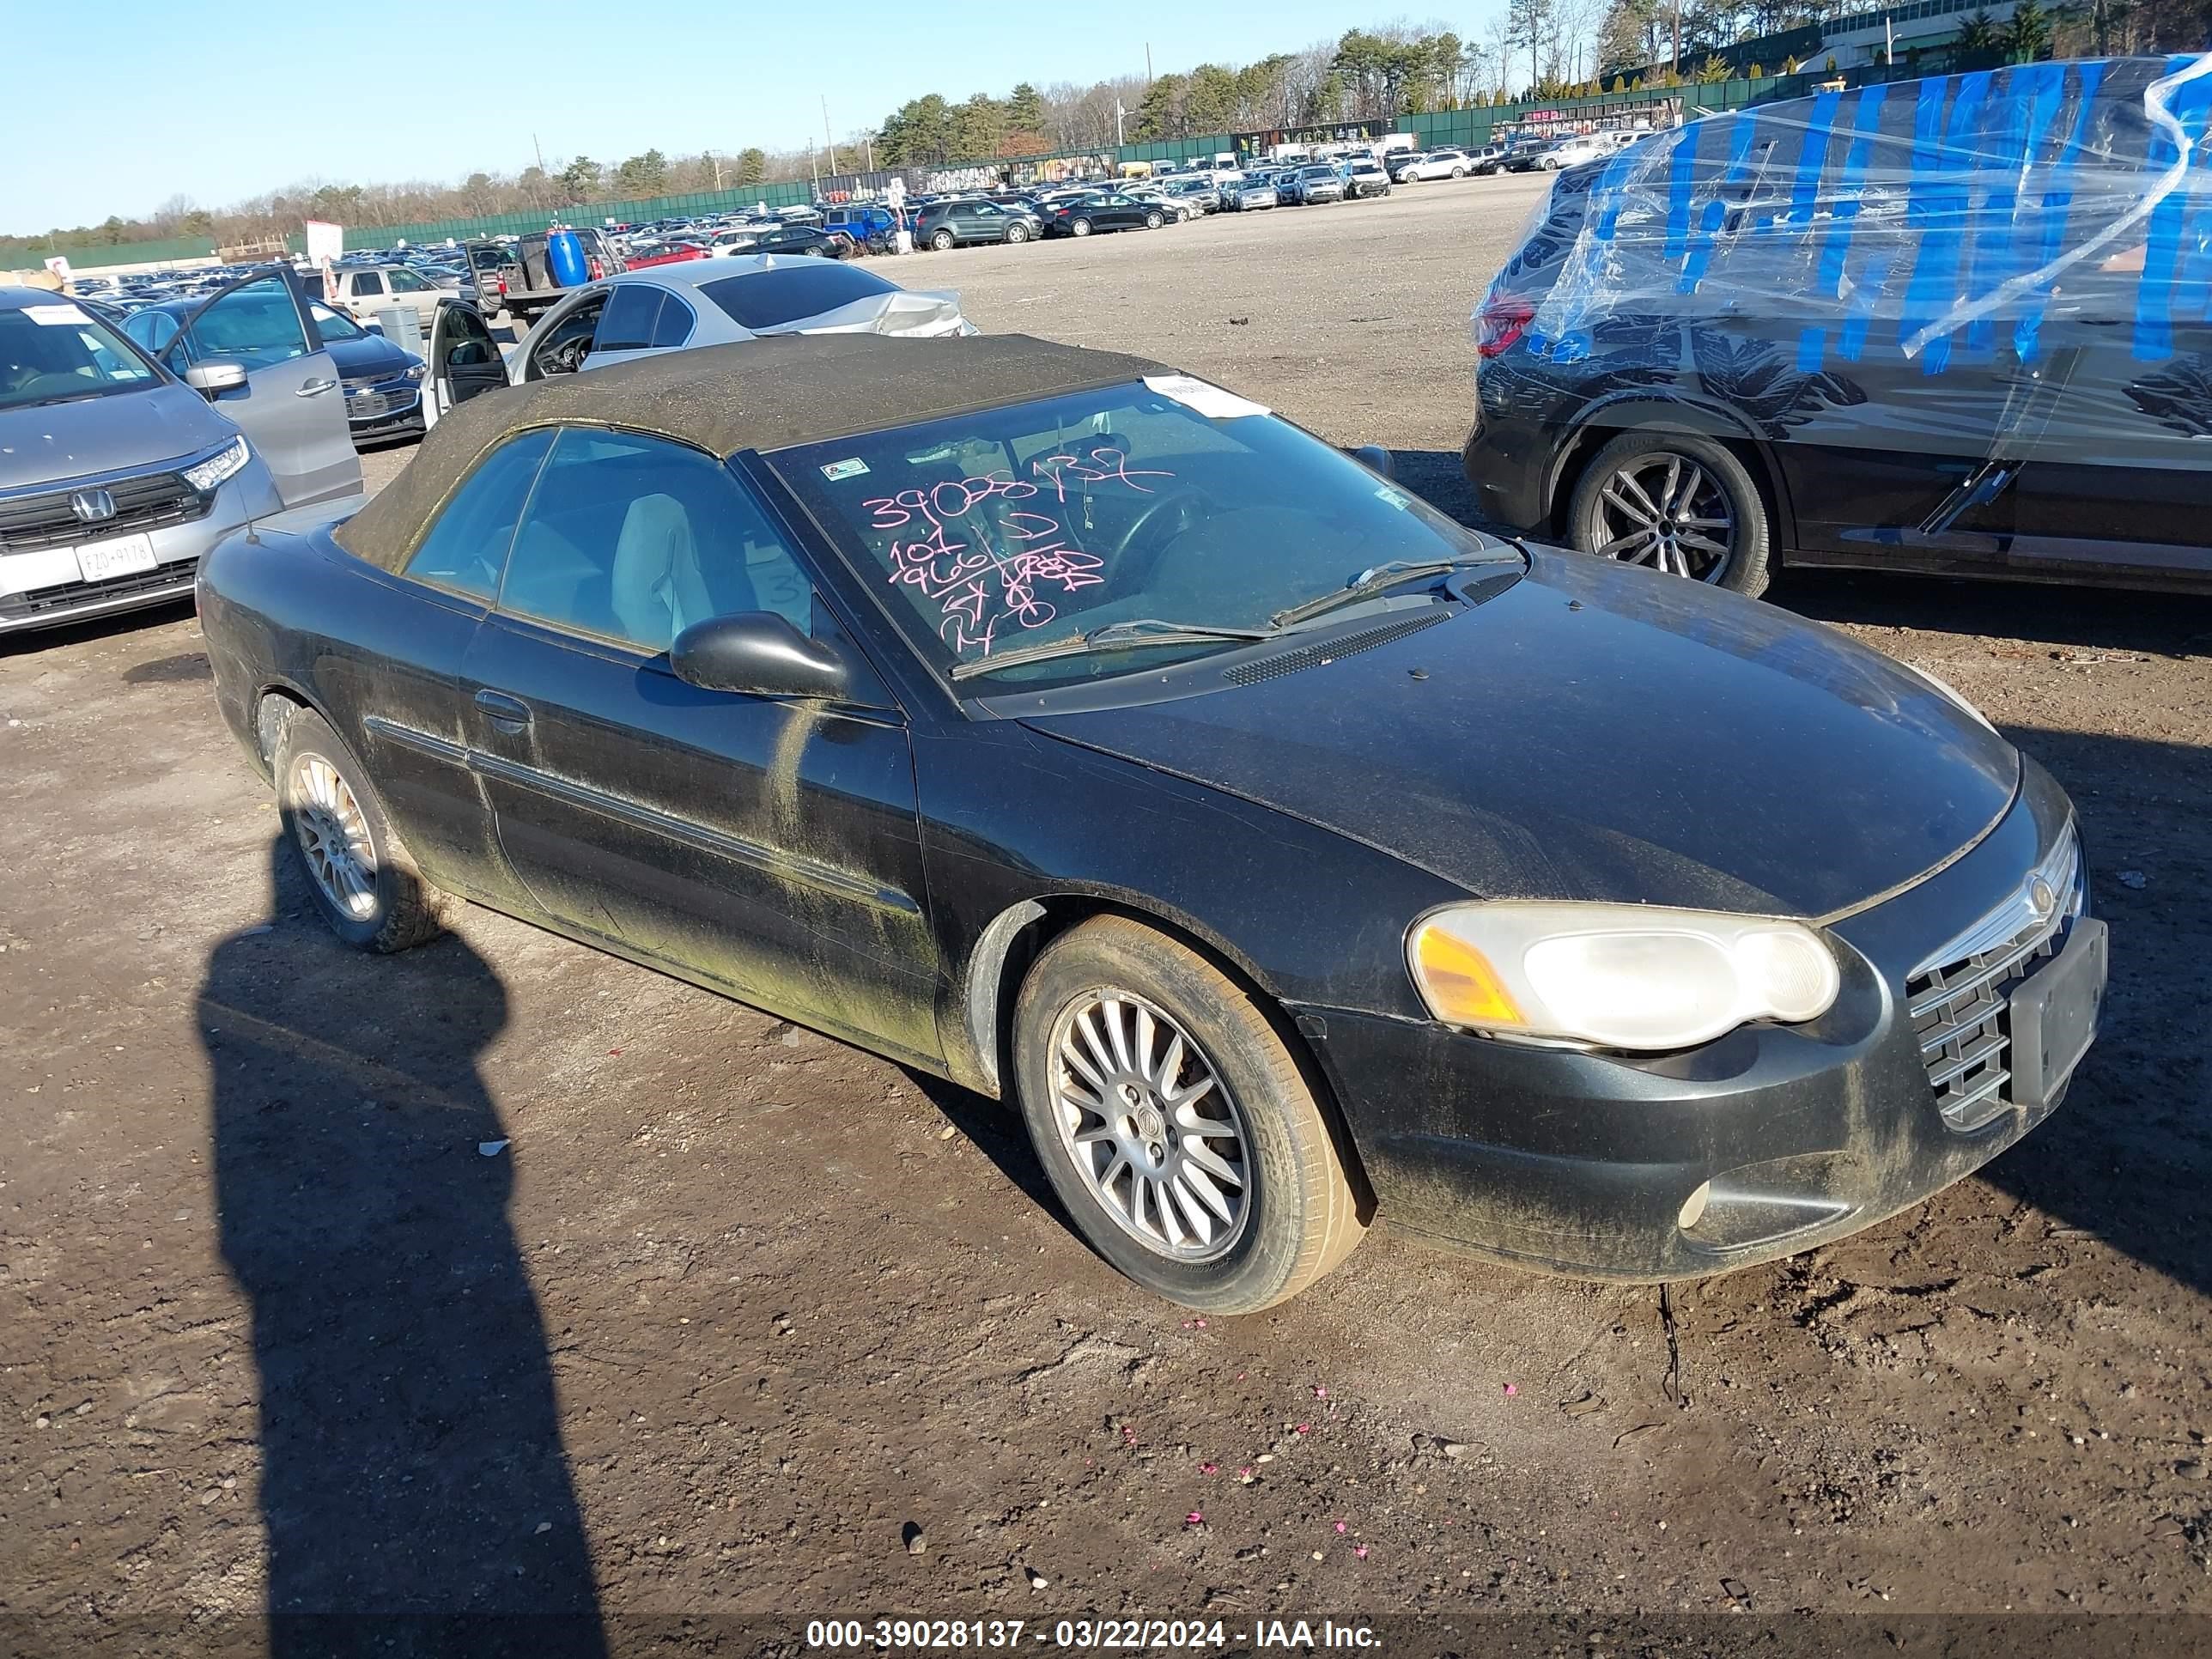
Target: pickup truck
point(523, 283)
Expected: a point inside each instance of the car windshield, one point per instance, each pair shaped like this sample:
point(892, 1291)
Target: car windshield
point(332, 326)
point(60, 352)
point(1163, 499)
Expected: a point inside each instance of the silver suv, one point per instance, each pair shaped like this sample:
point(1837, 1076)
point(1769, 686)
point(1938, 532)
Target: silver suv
point(117, 473)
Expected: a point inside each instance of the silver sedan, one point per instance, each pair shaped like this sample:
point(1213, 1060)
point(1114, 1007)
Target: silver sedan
point(703, 302)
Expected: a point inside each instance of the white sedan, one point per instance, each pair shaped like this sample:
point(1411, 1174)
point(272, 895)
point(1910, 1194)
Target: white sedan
point(1435, 164)
point(703, 302)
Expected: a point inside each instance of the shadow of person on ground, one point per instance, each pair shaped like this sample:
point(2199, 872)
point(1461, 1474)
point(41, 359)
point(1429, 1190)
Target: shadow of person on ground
point(413, 1479)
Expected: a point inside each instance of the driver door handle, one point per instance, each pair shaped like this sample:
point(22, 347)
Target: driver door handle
point(313, 388)
point(508, 714)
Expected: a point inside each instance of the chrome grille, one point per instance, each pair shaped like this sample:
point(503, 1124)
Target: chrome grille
point(152, 501)
point(1960, 1000)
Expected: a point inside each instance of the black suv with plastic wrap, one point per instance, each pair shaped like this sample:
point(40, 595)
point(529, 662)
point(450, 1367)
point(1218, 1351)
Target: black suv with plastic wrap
point(1957, 325)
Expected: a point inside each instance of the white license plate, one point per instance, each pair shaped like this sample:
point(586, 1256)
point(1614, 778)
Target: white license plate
point(125, 555)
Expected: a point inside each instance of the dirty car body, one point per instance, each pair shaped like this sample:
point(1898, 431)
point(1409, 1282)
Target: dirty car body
point(1379, 736)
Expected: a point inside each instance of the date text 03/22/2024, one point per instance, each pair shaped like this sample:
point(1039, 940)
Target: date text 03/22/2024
point(1088, 1635)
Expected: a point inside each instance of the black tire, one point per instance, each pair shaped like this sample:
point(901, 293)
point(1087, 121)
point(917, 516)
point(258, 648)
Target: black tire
point(942, 240)
point(1302, 1210)
point(404, 909)
point(1748, 538)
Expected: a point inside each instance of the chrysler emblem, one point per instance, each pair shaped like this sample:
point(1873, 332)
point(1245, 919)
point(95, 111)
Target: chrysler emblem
point(2040, 898)
point(92, 505)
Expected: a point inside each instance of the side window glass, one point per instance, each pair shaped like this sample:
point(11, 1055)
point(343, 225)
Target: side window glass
point(468, 343)
point(634, 539)
point(673, 326)
point(368, 281)
point(467, 547)
point(153, 330)
point(406, 281)
point(561, 349)
point(626, 323)
point(256, 326)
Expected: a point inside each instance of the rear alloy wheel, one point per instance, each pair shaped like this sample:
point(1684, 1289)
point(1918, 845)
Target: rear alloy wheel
point(1080, 227)
point(1184, 1137)
point(941, 240)
point(1459, 172)
point(1678, 504)
point(366, 886)
point(1017, 233)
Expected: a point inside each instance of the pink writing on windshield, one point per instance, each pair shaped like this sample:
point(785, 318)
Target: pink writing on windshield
point(978, 587)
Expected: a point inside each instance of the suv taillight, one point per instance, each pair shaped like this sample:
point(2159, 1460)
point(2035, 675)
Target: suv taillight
point(1501, 323)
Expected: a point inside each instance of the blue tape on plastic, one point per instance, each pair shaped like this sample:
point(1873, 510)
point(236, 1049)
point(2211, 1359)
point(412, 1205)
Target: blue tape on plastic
point(1681, 181)
point(2010, 110)
point(1860, 318)
point(2191, 104)
point(2057, 203)
point(1715, 215)
point(1936, 206)
point(1574, 340)
point(1813, 159)
point(1842, 212)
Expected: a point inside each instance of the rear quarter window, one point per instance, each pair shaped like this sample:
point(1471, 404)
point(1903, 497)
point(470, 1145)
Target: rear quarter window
point(769, 299)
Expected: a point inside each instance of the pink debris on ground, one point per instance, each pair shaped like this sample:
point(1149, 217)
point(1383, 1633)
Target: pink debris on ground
point(1304, 1428)
point(1360, 1550)
point(1511, 1389)
point(1320, 1393)
point(1209, 1468)
point(1195, 1518)
point(1340, 1527)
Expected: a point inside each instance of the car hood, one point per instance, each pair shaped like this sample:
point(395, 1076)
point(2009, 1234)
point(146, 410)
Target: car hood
point(373, 355)
point(1601, 733)
point(164, 422)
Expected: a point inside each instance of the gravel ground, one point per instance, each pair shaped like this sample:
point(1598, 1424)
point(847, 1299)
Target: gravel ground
point(736, 1312)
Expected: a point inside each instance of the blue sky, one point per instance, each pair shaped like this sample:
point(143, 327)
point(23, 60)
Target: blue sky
point(135, 100)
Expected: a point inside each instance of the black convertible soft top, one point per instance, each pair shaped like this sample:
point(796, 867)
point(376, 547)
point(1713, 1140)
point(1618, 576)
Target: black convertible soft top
point(763, 394)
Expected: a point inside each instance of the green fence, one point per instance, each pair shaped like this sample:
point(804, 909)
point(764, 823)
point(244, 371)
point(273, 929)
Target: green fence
point(92, 256)
point(1432, 130)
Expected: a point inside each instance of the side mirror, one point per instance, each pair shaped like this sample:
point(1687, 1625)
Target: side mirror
point(209, 379)
point(1377, 458)
point(760, 652)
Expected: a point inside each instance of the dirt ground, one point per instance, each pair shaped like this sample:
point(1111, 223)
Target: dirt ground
point(735, 1312)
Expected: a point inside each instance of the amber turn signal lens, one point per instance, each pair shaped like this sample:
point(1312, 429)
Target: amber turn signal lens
point(1461, 985)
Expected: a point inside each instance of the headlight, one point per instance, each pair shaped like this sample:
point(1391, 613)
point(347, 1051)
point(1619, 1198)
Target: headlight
point(211, 472)
point(416, 372)
point(1620, 975)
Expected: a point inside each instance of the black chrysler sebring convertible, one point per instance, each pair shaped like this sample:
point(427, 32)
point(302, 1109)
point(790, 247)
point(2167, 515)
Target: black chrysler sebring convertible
point(1072, 728)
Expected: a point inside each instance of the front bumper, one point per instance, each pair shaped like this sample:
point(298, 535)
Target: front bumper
point(1767, 1142)
point(46, 588)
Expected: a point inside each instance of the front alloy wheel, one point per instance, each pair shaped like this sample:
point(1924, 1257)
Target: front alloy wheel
point(1153, 1132)
point(1191, 1148)
point(1080, 227)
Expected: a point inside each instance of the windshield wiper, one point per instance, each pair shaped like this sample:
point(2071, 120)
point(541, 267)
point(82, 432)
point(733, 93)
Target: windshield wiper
point(1121, 635)
point(1374, 580)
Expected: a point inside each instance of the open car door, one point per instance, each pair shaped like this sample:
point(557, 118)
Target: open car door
point(288, 403)
point(465, 360)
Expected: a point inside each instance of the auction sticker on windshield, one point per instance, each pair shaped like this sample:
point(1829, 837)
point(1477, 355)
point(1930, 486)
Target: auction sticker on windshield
point(125, 556)
point(852, 468)
point(55, 316)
